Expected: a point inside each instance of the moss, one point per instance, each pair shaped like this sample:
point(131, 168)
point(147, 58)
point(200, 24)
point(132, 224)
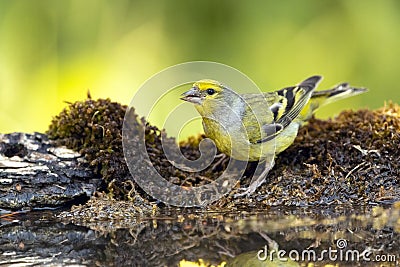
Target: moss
point(353, 158)
point(93, 127)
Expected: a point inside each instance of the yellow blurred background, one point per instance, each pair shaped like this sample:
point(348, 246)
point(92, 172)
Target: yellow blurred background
point(55, 51)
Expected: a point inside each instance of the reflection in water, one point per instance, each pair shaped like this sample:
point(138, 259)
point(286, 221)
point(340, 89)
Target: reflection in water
point(168, 238)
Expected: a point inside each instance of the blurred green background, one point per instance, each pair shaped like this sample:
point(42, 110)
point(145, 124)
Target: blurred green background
point(55, 51)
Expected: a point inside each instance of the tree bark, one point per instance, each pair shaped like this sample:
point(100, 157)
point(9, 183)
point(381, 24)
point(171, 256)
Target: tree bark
point(36, 174)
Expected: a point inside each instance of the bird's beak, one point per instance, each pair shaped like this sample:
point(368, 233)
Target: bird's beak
point(193, 96)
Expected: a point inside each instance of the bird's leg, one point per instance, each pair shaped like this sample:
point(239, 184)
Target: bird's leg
point(258, 179)
point(222, 157)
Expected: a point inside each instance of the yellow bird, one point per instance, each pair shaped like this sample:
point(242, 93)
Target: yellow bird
point(256, 127)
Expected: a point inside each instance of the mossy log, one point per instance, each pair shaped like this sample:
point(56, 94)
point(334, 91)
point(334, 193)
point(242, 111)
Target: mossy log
point(34, 173)
point(352, 159)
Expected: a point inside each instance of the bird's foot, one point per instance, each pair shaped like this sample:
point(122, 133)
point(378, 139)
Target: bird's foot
point(245, 191)
point(257, 180)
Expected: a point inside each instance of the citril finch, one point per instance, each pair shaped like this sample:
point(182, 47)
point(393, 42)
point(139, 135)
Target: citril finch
point(256, 127)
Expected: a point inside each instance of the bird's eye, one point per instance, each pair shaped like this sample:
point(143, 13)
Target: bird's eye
point(210, 91)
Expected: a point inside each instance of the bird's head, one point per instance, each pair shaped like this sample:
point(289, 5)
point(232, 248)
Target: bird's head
point(211, 97)
point(203, 91)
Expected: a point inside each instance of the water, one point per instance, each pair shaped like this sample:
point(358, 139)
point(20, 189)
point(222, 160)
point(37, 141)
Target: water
point(279, 236)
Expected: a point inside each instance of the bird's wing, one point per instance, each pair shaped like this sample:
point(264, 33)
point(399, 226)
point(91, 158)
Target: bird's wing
point(288, 104)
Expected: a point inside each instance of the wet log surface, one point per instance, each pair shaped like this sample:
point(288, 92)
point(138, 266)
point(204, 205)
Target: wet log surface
point(165, 239)
point(34, 238)
point(35, 174)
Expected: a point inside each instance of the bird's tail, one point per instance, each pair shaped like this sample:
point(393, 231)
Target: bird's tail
point(321, 98)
